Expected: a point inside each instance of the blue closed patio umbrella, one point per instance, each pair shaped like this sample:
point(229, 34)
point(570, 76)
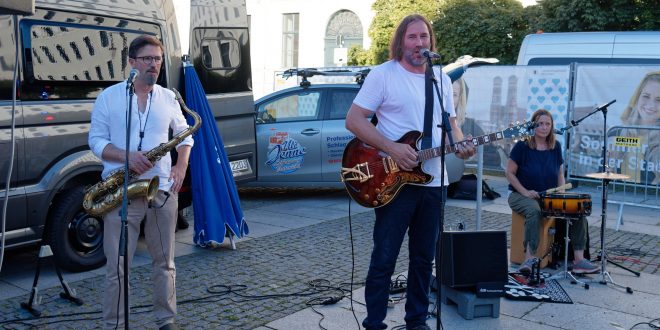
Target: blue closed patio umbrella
point(215, 199)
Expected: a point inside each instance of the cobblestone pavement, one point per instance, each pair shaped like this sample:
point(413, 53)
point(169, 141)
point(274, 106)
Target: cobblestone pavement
point(267, 278)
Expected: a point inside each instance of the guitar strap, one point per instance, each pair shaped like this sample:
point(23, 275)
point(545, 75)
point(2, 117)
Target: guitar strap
point(374, 120)
point(427, 138)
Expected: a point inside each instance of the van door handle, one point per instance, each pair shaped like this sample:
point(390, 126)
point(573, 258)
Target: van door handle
point(310, 131)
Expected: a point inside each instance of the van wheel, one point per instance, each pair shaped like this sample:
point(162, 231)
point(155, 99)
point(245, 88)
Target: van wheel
point(75, 237)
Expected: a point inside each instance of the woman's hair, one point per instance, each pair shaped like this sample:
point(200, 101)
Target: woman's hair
point(396, 45)
point(460, 103)
point(142, 41)
point(630, 115)
point(550, 139)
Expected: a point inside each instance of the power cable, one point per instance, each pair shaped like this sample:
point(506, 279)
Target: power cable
point(217, 293)
point(653, 324)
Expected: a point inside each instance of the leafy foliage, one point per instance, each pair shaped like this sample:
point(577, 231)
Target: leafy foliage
point(598, 15)
point(481, 28)
point(358, 56)
point(495, 28)
point(388, 15)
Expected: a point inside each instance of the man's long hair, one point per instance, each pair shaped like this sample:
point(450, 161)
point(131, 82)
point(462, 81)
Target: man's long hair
point(396, 45)
point(550, 139)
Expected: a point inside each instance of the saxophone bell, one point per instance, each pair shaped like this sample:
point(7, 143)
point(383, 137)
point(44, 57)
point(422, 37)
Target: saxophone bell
point(152, 189)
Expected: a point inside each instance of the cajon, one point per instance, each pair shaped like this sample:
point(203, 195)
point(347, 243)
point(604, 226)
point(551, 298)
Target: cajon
point(546, 238)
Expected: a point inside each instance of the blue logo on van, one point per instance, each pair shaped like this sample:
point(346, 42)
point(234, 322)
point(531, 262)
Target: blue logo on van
point(285, 155)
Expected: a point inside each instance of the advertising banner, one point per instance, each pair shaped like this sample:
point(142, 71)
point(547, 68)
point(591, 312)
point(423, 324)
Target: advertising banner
point(498, 96)
point(632, 134)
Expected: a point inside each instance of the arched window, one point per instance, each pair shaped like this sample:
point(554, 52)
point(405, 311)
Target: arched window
point(343, 31)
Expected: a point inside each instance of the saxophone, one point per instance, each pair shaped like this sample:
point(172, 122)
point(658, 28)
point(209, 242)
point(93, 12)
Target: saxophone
point(108, 194)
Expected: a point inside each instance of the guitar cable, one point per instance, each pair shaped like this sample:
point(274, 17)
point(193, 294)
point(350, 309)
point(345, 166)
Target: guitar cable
point(350, 233)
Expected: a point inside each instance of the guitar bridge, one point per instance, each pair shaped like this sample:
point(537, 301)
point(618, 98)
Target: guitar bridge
point(359, 172)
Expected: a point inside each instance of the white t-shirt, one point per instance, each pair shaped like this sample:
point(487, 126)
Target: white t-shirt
point(398, 98)
point(109, 126)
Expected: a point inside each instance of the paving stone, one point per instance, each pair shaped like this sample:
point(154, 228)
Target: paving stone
point(243, 288)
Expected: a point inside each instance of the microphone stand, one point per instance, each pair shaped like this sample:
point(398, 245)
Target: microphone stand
point(446, 131)
point(123, 237)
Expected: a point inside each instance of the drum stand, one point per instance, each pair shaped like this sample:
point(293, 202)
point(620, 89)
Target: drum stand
point(565, 273)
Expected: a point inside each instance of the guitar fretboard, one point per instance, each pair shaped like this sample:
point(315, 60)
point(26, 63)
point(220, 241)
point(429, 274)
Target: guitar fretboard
point(427, 154)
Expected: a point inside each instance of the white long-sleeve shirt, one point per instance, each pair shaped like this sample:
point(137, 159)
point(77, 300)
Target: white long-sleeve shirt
point(109, 126)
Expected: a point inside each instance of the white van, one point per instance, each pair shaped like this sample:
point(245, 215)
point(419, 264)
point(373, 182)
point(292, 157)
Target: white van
point(629, 47)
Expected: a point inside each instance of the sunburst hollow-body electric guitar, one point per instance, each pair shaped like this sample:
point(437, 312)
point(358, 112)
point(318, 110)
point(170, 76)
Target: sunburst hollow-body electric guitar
point(373, 179)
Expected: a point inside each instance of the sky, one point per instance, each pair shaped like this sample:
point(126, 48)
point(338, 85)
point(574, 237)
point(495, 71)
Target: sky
point(182, 9)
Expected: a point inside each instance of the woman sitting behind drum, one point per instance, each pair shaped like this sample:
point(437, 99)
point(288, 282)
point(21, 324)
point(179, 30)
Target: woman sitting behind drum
point(535, 166)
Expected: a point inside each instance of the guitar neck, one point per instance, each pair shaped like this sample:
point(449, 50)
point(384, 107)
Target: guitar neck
point(430, 153)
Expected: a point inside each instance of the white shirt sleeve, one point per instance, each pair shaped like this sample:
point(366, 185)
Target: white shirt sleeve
point(372, 92)
point(179, 123)
point(99, 130)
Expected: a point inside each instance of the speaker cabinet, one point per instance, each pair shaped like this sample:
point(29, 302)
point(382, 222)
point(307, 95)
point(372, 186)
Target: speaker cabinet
point(473, 258)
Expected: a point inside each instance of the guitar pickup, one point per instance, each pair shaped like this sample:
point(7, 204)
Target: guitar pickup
point(390, 165)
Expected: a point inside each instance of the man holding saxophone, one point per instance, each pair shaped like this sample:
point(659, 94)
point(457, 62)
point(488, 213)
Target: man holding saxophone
point(154, 111)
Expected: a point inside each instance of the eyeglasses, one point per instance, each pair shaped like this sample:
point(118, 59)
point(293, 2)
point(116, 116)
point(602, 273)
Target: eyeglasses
point(150, 59)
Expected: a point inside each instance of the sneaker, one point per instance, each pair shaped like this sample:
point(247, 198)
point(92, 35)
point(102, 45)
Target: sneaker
point(585, 267)
point(526, 267)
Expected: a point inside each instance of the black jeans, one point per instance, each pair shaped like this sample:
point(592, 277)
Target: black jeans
point(417, 210)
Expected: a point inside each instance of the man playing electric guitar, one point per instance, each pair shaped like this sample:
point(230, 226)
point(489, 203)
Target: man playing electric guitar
point(395, 91)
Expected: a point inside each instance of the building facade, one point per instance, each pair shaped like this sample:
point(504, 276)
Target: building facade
point(289, 34)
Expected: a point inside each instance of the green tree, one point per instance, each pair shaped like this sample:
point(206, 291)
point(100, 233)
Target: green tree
point(481, 28)
point(388, 15)
point(358, 56)
point(597, 15)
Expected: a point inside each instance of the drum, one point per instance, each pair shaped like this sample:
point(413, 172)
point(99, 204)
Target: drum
point(567, 205)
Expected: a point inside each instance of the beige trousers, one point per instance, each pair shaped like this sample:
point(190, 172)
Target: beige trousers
point(159, 234)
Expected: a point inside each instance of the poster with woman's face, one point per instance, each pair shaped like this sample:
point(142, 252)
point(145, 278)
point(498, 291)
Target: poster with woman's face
point(631, 128)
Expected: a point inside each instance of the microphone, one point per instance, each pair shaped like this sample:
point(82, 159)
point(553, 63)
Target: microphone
point(559, 132)
point(131, 77)
point(427, 53)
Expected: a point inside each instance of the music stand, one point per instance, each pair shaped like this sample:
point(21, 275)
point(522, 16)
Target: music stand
point(606, 177)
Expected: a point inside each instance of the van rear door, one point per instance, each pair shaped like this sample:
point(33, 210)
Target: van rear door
point(220, 52)
point(16, 208)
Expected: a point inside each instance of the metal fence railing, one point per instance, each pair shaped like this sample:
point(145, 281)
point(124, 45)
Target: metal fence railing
point(633, 151)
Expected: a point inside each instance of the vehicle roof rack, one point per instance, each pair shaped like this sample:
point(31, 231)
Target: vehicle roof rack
point(305, 73)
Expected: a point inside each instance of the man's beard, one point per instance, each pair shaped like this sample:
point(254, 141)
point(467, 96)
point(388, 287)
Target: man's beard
point(149, 80)
point(410, 58)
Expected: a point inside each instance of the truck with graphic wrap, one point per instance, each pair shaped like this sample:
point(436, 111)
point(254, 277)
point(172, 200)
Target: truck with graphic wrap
point(67, 52)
